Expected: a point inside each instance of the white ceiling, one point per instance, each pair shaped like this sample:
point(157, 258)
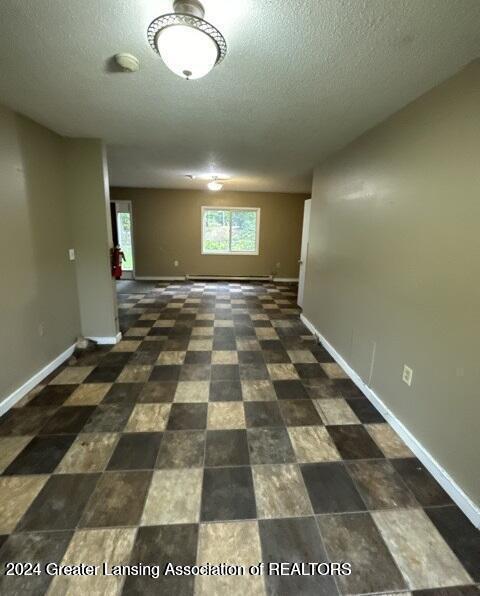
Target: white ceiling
point(301, 79)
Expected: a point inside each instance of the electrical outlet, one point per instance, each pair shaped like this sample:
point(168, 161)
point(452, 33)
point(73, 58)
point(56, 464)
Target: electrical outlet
point(71, 254)
point(277, 265)
point(41, 329)
point(175, 263)
point(407, 375)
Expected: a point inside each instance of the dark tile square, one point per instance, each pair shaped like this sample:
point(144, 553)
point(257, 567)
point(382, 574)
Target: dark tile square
point(242, 330)
point(330, 488)
point(253, 372)
point(296, 540)
point(321, 388)
point(226, 448)
point(252, 357)
point(221, 344)
point(228, 494)
point(299, 413)
point(354, 537)
point(188, 417)
point(108, 418)
point(276, 357)
point(198, 357)
point(159, 545)
point(52, 395)
point(310, 371)
point(90, 357)
point(272, 344)
point(118, 500)
point(195, 372)
point(422, 484)
point(182, 449)
point(225, 391)
point(270, 446)
point(41, 456)
point(290, 390)
point(365, 411)
point(353, 442)
point(321, 353)
point(152, 347)
point(68, 420)
point(59, 504)
point(262, 413)
point(348, 389)
point(123, 393)
point(169, 372)
point(224, 333)
point(178, 344)
point(157, 392)
point(460, 535)
point(116, 359)
point(143, 357)
point(135, 451)
point(225, 372)
point(379, 485)
point(104, 374)
point(25, 421)
point(35, 547)
point(292, 342)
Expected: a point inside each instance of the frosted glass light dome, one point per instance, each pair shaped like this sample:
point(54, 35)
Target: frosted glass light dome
point(189, 45)
point(189, 53)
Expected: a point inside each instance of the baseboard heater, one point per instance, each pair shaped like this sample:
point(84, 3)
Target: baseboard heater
point(198, 277)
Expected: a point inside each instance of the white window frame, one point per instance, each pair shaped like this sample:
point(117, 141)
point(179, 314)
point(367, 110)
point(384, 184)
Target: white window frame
point(230, 252)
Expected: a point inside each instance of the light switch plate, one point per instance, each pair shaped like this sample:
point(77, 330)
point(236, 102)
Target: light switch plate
point(71, 254)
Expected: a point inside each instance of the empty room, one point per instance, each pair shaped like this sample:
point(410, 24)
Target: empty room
point(240, 297)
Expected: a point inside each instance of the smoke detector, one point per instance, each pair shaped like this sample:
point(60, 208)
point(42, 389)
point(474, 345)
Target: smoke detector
point(127, 62)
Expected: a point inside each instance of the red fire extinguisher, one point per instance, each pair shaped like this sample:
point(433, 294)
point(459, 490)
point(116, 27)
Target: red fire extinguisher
point(117, 258)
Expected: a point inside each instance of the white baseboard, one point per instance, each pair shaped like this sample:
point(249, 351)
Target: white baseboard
point(226, 277)
point(37, 378)
point(159, 278)
point(201, 277)
point(471, 510)
point(114, 339)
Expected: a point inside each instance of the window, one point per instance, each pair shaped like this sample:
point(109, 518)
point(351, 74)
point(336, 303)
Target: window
point(230, 230)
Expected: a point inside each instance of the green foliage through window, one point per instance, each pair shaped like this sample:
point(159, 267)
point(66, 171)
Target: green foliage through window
point(230, 230)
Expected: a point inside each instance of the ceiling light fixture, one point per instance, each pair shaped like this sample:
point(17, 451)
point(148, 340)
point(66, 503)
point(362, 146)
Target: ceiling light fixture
point(189, 45)
point(215, 185)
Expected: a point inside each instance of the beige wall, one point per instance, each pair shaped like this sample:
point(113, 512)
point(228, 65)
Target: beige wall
point(394, 262)
point(38, 286)
point(167, 228)
point(88, 196)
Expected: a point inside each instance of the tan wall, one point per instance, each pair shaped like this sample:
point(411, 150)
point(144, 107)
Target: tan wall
point(394, 261)
point(167, 228)
point(38, 284)
point(88, 196)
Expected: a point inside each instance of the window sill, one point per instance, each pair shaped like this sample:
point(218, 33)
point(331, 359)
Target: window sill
point(231, 254)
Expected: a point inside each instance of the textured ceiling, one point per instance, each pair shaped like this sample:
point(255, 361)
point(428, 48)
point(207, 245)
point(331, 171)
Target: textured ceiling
point(301, 79)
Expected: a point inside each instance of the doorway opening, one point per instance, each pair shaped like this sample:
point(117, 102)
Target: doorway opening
point(122, 233)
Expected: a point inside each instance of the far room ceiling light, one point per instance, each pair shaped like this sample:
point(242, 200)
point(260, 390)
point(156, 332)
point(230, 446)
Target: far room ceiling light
point(188, 45)
point(215, 185)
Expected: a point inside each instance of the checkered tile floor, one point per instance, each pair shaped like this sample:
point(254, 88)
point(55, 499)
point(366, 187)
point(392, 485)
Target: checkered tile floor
point(216, 431)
